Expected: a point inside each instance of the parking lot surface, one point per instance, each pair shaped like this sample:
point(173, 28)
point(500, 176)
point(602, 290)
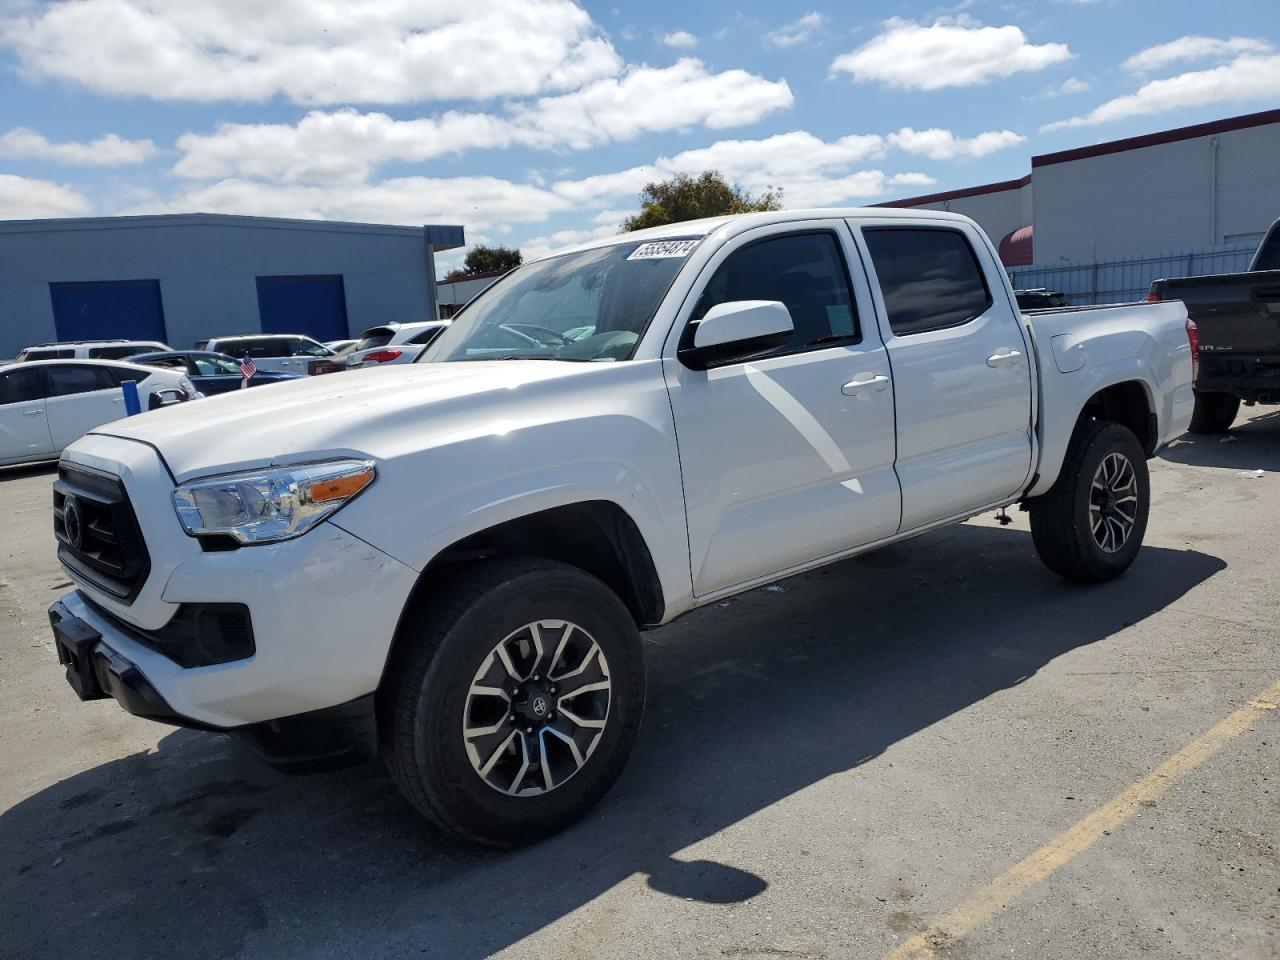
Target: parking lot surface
point(938, 749)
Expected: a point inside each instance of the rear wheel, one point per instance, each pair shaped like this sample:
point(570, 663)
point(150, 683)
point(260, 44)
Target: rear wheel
point(1214, 412)
point(1090, 525)
point(511, 709)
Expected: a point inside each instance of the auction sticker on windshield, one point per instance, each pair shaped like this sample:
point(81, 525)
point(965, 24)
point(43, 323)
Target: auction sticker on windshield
point(662, 249)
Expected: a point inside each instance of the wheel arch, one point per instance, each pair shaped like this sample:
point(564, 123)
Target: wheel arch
point(597, 536)
point(1128, 399)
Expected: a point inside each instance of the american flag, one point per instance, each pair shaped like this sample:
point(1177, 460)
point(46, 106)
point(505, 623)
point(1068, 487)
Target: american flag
point(247, 367)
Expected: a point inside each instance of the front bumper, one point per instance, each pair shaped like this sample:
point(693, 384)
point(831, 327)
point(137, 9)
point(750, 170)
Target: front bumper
point(317, 739)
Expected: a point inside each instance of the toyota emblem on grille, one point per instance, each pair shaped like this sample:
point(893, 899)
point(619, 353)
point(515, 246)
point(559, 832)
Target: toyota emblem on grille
point(72, 524)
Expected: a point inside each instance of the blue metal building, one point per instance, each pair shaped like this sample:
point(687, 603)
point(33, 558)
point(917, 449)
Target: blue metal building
point(185, 277)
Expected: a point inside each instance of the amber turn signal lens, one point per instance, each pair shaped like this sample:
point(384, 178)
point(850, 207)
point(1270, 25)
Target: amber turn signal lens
point(340, 488)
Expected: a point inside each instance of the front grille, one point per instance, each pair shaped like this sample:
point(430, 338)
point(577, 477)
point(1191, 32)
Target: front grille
point(97, 532)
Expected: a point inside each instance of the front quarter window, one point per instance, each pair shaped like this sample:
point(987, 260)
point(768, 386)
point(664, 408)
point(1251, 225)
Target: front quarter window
point(590, 305)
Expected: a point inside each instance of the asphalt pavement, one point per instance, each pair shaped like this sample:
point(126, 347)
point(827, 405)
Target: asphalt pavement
point(935, 750)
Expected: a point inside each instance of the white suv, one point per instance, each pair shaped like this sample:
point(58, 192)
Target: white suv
point(47, 404)
point(393, 343)
point(278, 353)
point(90, 350)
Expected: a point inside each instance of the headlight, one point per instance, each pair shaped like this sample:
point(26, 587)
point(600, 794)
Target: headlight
point(266, 506)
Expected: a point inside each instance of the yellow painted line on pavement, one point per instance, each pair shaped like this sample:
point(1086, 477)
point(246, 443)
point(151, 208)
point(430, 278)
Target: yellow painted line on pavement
point(1055, 854)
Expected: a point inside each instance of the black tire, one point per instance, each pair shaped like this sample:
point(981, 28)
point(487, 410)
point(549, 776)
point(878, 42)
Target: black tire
point(1214, 412)
point(424, 698)
point(1062, 521)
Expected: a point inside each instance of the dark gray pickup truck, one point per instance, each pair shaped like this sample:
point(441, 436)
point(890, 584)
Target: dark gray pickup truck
point(1237, 318)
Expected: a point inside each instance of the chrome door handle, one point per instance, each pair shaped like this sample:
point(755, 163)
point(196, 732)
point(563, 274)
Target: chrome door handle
point(32, 413)
point(859, 388)
point(1004, 358)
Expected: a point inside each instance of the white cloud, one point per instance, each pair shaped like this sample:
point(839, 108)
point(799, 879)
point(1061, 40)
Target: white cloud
point(950, 52)
point(1193, 48)
point(649, 99)
point(479, 203)
point(334, 146)
point(797, 31)
point(314, 51)
point(808, 169)
point(1248, 77)
point(108, 151)
point(939, 144)
point(1068, 87)
point(347, 145)
point(22, 198)
point(786, 154)
point(911, 180)
point(680, 38)
point(540, 246)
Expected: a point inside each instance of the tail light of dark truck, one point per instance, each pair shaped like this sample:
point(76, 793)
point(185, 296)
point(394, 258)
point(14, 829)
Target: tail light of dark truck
point(1193, 338)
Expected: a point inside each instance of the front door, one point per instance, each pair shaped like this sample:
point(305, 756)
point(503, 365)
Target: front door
point(961, 373)
point(81, 397)
point(787, 458)
point(24, 428)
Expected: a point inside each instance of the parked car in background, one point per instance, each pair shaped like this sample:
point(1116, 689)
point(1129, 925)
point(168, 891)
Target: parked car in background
point(47, 404)
point(465, 548)
point(1237, 319)
point(211, 372)
point(1040, 298)
point(89, 349)
point(393, 343)
point(279, 353)
point(340, 347)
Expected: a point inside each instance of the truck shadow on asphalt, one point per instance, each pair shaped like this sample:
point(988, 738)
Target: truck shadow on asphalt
point(196, 850)
point(1252, 444)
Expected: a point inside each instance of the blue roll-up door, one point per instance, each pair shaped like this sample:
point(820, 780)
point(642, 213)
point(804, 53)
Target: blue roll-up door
point(316, 306)
point(108, 310)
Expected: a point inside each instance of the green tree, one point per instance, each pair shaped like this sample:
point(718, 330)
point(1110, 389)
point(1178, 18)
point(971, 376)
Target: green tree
point(691, 198)
point(482, 259)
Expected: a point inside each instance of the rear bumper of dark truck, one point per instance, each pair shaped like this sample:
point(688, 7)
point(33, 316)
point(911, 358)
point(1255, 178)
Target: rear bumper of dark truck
point(1253, 377)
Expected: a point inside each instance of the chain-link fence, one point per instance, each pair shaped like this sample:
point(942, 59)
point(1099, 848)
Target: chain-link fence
point(1128, 278)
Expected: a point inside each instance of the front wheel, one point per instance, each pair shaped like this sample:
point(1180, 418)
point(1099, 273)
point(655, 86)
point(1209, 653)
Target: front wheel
point(1214, 412)
point(1089, 526)
point(511, 707)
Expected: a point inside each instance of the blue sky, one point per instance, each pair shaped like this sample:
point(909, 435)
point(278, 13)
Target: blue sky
point(535, 122)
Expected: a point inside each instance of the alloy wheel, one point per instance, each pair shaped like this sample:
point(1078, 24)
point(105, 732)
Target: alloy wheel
point(537, 708)
point(1113, 502)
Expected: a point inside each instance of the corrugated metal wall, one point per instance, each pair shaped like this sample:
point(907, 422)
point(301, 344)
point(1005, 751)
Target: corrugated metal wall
point(1128, 278)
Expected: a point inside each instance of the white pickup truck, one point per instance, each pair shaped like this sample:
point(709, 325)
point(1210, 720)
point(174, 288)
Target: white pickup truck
point(457, 555)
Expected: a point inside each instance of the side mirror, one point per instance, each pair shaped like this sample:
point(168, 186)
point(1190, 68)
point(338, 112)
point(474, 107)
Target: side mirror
point(737, 330)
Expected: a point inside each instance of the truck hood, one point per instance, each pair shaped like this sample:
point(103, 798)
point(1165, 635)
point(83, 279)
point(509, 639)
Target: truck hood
point(372, 412)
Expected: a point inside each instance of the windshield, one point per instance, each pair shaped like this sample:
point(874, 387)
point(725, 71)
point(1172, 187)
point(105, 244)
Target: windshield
point(592, 305)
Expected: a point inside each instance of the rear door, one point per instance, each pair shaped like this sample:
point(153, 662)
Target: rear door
point(788, 458)
point(961, 374)
point(24, 427)
point(81, 397)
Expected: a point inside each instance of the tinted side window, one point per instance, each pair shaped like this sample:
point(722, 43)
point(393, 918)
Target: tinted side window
point(1268, 256)
point(267, 347)
point(805, 271)
point(20, 384)
point(426, 336)
point(930, 278)
point(49, 354)
point(302, 347)
point(68, 380)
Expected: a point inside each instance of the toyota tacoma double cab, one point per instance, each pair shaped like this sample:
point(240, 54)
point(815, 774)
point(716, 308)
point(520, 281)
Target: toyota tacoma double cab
point(452, 560)
point(1236, 320)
